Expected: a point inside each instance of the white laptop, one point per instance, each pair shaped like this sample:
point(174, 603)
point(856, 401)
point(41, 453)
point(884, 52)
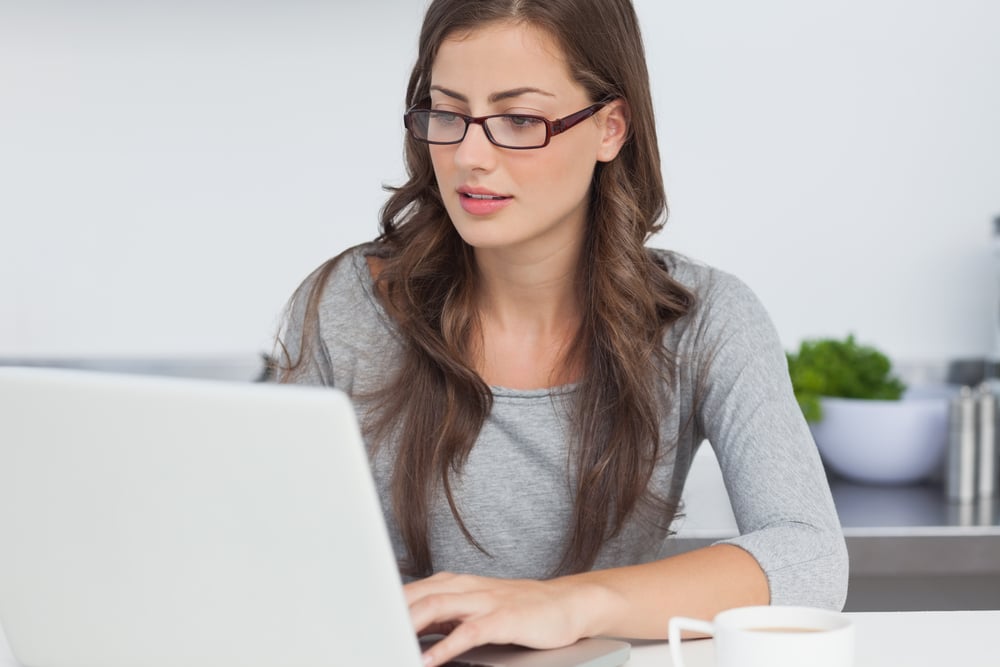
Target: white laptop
point(149, 522)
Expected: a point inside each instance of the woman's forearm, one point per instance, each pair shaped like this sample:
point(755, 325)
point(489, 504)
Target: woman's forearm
point(637, 601)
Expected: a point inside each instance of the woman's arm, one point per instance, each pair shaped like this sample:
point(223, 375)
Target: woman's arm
point(771, 467)
point(635, 601)
point(790, 549)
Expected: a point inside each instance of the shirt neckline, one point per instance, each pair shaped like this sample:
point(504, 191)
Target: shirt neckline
point(368, 283)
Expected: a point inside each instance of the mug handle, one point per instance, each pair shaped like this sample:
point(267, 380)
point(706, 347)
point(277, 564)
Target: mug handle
point(678, 624)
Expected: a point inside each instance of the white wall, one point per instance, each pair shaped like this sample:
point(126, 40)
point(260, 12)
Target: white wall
point(842, 157)
point(169, 171)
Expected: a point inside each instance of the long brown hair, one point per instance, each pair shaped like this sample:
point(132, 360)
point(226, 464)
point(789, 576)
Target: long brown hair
point(434, 408)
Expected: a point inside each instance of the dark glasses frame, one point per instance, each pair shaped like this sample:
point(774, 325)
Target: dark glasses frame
point(552, 127)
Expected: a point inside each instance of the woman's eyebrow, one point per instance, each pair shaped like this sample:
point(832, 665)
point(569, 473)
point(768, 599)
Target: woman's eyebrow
point(494, 97)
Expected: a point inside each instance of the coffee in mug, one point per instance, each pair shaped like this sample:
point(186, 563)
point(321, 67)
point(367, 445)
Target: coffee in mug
point(786, 629)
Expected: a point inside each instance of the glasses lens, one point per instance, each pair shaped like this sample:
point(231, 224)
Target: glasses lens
point(437, 126)
point(517, 131)
point(509, 130)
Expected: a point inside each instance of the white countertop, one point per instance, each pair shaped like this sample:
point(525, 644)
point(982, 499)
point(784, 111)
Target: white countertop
point(913, 639)
point(883, 639)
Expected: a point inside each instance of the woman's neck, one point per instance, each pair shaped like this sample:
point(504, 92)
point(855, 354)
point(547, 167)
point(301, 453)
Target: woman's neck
point(529, 314)
point(539, 292)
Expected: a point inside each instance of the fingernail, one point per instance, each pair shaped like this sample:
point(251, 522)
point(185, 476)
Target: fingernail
point(427, 658)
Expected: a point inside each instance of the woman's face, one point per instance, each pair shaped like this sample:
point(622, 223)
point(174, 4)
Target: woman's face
point(532, 201)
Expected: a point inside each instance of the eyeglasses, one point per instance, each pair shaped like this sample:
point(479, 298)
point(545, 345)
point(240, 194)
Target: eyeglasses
point(506, 130)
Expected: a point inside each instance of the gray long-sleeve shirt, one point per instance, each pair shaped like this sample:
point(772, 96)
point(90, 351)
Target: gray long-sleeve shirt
point(515, 492)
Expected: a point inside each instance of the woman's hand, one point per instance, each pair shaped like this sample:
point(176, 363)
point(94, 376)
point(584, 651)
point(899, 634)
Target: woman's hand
point(634, 601)
point(476, 610)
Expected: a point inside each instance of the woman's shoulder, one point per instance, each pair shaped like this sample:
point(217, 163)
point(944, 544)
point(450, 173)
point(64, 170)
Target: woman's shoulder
point(346, 275)
point(342, 289)
point(334, 330)
point(725, 309)
point(708, 283)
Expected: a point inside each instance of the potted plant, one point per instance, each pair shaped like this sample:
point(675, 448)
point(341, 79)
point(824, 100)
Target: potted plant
point(863, 426)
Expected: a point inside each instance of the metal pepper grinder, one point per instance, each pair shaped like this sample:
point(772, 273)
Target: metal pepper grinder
point(988, 463)
point(986, 446)
point(960, 473)
point(993, 367)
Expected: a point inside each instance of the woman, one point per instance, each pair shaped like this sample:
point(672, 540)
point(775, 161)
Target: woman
point(532, 380)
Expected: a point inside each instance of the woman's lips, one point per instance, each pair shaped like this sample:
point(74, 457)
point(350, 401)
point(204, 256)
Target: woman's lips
point(476, 203)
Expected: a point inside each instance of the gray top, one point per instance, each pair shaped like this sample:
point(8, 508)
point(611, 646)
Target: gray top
point(515, 491)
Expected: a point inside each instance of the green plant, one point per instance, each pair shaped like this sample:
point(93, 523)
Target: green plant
point(842, 368)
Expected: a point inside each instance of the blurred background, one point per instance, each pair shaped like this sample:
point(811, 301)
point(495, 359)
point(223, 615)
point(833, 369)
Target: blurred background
point(169, 171)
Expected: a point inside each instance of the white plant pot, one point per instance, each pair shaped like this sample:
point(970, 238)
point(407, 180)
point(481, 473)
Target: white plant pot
point(883, 442)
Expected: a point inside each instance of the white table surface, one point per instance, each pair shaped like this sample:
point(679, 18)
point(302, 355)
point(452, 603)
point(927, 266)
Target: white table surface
point(884, 639)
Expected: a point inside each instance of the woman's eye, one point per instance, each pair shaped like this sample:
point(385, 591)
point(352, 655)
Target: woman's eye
point(522, 122)
point(443, 118)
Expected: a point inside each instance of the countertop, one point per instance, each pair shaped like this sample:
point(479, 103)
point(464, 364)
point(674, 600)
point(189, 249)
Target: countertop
point(882, 524)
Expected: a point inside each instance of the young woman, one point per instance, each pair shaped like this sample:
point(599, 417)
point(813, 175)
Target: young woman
point(532, 380)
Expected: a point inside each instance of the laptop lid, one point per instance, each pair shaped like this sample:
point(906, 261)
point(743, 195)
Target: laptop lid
point(157, 521)
point(152, 521)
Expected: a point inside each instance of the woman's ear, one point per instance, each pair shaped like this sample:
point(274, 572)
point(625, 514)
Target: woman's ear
point(616, 118)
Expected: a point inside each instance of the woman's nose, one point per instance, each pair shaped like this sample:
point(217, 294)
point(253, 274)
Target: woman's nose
point(476, 151)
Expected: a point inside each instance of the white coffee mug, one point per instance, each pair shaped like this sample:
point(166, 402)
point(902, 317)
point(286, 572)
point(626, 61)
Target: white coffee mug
point(773, 636)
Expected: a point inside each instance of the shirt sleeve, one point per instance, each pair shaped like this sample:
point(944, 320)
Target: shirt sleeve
point(301, 355)
point(336, 331)
point(777, 486)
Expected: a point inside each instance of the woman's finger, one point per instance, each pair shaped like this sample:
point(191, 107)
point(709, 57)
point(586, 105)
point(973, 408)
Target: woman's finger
point(441, 608)
point(438, 629)
point(464, 637)
point(442, 582)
